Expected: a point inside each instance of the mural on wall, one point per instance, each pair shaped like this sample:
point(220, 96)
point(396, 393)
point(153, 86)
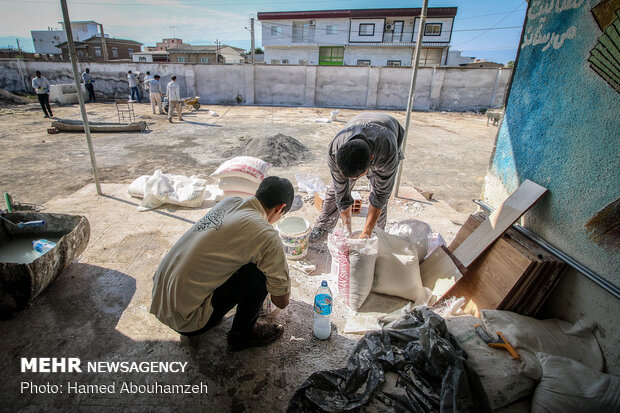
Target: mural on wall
point(560, 129)
point(605, 56)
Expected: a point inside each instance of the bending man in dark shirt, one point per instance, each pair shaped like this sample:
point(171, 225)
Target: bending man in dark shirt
point(369, 145)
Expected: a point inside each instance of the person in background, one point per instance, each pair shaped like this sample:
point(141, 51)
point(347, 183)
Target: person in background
point(231, 257)
point(155, 94)
point(133, 86)
point(370, 144)
point(147, 79)
point(89, 84)
point(174, 99)
point(42, 88)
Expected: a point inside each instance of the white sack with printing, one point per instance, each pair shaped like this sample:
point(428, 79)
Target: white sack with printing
point(160, 189)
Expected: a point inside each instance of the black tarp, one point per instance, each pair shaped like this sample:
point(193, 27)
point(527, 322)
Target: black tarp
point(425, 367)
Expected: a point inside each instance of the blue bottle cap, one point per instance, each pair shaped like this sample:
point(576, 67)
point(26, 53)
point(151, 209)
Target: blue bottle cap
point(323, 283)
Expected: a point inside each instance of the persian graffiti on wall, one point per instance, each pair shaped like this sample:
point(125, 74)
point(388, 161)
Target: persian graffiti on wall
point(605, 56)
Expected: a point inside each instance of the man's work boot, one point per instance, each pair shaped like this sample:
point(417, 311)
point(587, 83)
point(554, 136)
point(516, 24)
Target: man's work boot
point(316, 234)
point(263, 334)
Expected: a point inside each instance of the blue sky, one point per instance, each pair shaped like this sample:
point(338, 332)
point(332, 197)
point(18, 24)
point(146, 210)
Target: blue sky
point(205, 21)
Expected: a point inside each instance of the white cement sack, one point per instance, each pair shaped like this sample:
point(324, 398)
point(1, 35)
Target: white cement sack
point(553, 336)
point(501, 375)
point(353, 260)
point(246, 167)
point(161, 189)
point(237, 184)
point(136, 189)
point(417, 232)
point(569, 386)
point(397, 270)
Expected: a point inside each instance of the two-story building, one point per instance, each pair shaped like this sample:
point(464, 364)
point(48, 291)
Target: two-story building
point(46, 41)
point(362, 37)
point(92, 49)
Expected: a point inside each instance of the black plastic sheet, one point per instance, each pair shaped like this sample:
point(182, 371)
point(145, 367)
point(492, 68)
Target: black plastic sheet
point(425, 367)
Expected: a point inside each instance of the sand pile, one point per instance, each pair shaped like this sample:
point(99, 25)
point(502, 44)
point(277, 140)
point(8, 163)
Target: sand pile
point(278, 150)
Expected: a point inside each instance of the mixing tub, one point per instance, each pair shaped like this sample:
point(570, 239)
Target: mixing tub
point(24, 274)
point(295, 235)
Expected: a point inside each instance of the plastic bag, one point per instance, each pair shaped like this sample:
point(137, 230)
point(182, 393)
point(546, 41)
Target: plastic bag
point(161, 189)
point(413, 365)
point(417, 232)
point(434, 241)
point(353, 260)
point(309, 183)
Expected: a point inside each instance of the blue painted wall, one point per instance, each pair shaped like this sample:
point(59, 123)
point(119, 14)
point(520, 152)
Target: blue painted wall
point(562, 130)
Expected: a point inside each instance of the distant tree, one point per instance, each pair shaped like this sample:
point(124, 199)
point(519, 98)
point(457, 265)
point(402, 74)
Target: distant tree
point(511, 63)
point(258, 50)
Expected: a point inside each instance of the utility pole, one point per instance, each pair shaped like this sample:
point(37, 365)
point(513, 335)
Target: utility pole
point(78, 85)
point(217, 52)
point(414, 75)
point(19, 49)
point(252, 31)
point(104, 46)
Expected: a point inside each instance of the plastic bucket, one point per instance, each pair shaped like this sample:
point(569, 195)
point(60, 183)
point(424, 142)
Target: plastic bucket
point(295, 235)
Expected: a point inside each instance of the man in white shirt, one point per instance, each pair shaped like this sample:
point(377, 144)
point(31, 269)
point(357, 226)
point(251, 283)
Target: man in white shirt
point(133, 86)
point(174, 99)
point(147, 79)
point(42, 88)
point(89, 84)
point(232, 256)
point(155, 94)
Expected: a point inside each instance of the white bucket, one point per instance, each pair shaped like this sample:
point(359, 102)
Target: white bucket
point(295, 235)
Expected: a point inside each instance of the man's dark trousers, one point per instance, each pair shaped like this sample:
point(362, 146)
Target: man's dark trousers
point(91, 91)
point(44, 100)
point(247, 289)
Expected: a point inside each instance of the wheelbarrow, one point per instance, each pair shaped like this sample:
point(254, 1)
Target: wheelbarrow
point(191, 103)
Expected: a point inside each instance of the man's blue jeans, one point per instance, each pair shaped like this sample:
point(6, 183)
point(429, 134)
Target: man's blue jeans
point(135, 94)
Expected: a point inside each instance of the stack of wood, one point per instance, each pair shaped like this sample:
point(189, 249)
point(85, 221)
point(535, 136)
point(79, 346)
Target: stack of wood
point(514, 274)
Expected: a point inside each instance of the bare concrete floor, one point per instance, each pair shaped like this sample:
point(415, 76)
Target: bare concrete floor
point(98, 309)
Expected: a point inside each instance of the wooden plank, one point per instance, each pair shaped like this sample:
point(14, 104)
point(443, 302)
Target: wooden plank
point(499, 221)
point(439, 272)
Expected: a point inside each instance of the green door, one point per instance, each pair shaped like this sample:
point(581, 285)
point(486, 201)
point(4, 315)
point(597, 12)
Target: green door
point(331, 56)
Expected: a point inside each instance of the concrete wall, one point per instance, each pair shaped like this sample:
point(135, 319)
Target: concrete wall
point(561, 131)
point(448, 89)
point(378, 56)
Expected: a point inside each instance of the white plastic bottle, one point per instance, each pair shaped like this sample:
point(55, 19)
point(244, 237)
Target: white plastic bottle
point(322, 311)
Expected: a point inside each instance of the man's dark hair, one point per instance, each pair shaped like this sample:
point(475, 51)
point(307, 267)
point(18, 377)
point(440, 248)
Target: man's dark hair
point(87, 70)
point(129, 71)
point(353, 158)
point(173, 77)
point(156, 77)
point(274, 191)
point(148, 73)
point(37, 73)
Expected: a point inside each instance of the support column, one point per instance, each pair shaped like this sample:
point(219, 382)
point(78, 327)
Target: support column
point(499, 74)
point(310, 86)
point(374, 76)
point(248, 74)
point(436, 85)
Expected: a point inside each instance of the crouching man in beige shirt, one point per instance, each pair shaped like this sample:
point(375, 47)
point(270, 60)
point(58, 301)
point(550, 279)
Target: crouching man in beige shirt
point(231, 256)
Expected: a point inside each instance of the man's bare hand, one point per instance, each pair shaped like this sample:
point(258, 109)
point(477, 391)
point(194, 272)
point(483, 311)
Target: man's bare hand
point(364, 235)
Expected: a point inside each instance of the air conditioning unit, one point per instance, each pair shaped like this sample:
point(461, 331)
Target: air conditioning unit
point(389, 27)
point(312, 22)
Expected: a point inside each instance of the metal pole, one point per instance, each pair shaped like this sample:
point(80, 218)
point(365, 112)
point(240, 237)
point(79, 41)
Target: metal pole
point(78, 85)
point(104, 45)
point(252, 31)
point(414, 75)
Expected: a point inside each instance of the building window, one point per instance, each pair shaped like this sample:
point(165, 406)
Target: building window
point(284, 61)
point(303, 62)
point(97, 51)
point(275, 61)
point(181, 59)
point(142, 59)
point(331, 29)
point(367, 29)
point(204, 60)
point(432, 29)
point(430, 57)
point(276, 31)
point(393, 62)
point(130, 51)
point(115, 52)
point(398, 31)
point(363, 62)
point(331, 56)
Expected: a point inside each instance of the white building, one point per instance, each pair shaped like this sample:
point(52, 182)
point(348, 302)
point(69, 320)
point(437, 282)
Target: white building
point(45, 41)
point(363, 37)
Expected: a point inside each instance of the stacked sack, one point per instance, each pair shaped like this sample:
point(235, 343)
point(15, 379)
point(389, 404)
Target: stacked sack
point(240, 176)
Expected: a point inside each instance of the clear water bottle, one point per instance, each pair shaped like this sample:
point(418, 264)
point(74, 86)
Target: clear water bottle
point(42, 245)
point(322, 311)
